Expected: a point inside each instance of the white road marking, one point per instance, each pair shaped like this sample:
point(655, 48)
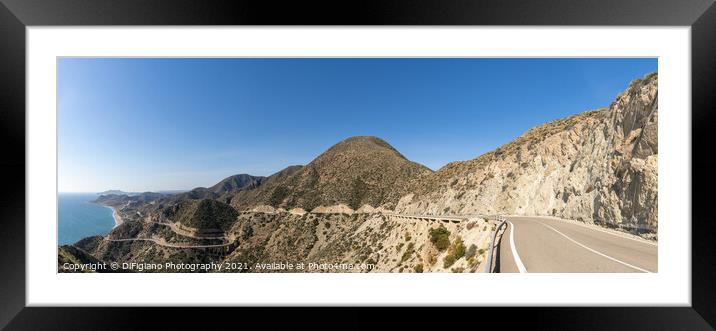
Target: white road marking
point(598, 228)
point(518, 261)
point(596, 252)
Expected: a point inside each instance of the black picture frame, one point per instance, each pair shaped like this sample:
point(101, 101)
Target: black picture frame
point(16, 15)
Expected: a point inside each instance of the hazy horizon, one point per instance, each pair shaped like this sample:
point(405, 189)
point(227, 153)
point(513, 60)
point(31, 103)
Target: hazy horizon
point(152, 124)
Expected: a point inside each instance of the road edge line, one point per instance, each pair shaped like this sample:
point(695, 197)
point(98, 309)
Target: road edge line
point(595, 251)
point(515, 255)
point(620, 234)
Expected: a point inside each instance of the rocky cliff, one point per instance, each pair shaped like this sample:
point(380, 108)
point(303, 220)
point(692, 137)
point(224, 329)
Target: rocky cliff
point(599, 166)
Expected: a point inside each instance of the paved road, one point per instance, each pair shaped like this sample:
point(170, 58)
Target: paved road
point(165, 244)
point(548, 245)
point(178, 231)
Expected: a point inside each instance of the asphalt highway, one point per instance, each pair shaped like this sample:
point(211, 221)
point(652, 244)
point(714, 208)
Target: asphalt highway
point(532, 244)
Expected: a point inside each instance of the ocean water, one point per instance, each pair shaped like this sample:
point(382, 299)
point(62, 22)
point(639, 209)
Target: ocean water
point(78, 217)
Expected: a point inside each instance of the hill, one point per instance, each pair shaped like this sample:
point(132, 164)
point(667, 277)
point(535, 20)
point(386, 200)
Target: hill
point(205, 215)
point(356, 171)
point(221, 189)
point(124, 200)
point(116, 192)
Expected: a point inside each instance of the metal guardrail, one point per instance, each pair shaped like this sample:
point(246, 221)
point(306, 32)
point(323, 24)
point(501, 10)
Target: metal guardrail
point(503, 222)
point(461, 218)
point(498, 218)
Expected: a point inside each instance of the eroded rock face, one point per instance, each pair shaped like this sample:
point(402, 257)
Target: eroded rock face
point(599, 166)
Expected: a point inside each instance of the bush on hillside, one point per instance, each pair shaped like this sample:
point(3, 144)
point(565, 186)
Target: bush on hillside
point(458, 249)
point(440, 237)
point(408, 252)
point(448, 261)
point(471, 251)
point(419, 268)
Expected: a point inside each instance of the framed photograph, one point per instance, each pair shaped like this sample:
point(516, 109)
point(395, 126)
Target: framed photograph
point(192, 155)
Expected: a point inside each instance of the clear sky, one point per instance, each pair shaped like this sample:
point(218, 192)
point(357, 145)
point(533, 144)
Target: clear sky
point(164, 124)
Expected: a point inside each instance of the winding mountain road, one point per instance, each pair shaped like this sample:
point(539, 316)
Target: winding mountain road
point(165, 244)
point(536, 244)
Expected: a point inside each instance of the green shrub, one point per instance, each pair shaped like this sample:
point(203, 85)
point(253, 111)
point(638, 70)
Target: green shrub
point(448, 261)
point(471, 251)
point(456, 252)
point(458, 249)
point(440, 237)
point(408, 252)
point(480, 251)
point(419, 268)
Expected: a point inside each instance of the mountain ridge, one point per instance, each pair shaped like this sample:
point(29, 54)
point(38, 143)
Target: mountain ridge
point(598, 166)
point(356, 171)
point(220, 190)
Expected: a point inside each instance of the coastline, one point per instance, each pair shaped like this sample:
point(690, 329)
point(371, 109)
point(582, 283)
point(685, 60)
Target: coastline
point(115, 214)
point(117, 219)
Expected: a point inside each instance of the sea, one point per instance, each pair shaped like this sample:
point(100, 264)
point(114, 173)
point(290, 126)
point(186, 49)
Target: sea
point(79, 217)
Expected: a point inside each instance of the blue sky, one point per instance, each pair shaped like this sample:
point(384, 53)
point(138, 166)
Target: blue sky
point(162, 124)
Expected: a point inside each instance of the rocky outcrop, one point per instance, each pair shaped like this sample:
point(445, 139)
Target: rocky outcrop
point(599, 166)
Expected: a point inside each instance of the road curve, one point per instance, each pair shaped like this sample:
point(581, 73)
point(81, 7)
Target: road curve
point(536, 244)
point(165, 244)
